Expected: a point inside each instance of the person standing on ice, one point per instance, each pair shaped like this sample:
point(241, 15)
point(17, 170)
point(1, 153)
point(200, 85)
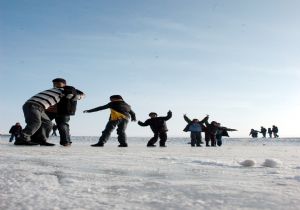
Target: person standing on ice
point(195, 127)
point(159, 127)
point(120, 114)
point(263, 131)
point(211, 132)
point(270, 132)
point(275, 131)
point(62, 111)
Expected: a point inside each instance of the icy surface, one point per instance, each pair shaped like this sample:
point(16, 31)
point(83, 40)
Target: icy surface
point(175, 177)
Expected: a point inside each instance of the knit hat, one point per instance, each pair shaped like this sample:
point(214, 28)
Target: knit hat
point(60, 80)
point(116, 97)
point(152, 113)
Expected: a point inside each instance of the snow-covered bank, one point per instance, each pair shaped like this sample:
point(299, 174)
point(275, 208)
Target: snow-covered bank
point(176, 177)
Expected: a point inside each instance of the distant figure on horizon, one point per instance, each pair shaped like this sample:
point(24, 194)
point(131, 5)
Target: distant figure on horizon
point(270, 132)
point(263, 131)
point(159, 128)
point(120, 114)
point(253, 133)
point(211, 132)
point(195, 127)
point(275, 131)
point(54, 129)
point(222, 131)
point(15, 131)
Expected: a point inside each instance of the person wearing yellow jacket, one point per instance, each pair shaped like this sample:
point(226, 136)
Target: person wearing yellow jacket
point(120, 114)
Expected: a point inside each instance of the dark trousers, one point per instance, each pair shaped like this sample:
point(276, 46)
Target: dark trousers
point(37, 122)
point(161, 135)
point(196, 138)
point(110, 126)
point(13, 136)
point(209, 137)
point(63, 127)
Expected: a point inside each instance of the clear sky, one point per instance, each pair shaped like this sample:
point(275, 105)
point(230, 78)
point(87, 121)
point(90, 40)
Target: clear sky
point(235, 60)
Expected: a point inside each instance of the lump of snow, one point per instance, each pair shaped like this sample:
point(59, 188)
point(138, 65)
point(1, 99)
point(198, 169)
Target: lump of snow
point(272, 163)
point(247, 163)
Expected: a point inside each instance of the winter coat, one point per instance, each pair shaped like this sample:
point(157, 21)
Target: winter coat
point(190, 122)
point(15, 129)
point(157, 124)
point(68, 106)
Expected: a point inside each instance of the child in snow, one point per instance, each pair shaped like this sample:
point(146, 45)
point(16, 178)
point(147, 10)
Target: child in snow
point(270, 132)
point(159, 128)
point(195, 127)
point(120, 114)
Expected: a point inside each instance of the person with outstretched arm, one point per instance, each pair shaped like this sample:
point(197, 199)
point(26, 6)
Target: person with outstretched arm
point(159, 128)
point(121, 112)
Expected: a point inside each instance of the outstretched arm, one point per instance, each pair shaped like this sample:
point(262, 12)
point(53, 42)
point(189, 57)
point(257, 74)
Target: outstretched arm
point(187, 119)
point(146, 123)
point(97, 109)
point(205, 120)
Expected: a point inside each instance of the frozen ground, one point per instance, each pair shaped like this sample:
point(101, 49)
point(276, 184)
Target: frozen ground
point(243, 174)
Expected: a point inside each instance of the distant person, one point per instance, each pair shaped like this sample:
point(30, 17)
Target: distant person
point(253, 133)
point(37, 121)
point(270, 132)
point(62, 111)
point(211, 132)
point(15, 131)
point(159, 128)
point(275, 131)
point(222, 131)
point(263, 131)
point(54, 129)
point(195, 127)
point(120, 114)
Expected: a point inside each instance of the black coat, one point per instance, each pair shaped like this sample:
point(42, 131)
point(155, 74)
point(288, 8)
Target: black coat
point(16, 130)
point(157, 124)
point(68, 106)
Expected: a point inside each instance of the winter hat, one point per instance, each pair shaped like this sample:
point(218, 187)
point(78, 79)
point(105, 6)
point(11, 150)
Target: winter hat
point(60, 80)
point(152, 113)
point(116, 97)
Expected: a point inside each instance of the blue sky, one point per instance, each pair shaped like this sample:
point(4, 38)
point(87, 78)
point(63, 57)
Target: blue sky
point(235, 60)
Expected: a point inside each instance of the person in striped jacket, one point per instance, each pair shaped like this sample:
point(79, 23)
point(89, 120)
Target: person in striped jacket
point(37, 122)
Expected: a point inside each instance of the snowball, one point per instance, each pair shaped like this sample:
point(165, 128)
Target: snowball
point(272, 163)
point(247, 163)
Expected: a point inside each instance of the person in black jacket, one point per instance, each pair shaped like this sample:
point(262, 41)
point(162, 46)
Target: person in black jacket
point(195, 127)
point(263, 131)
point(159, 128)
point(15, 131)
point(62, 111)
point(270, 132)
point(275, 131)
point(211, 132)
point(120, 114)
point(253, 133)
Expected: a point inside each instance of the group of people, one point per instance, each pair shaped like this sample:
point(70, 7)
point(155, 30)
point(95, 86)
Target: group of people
point(273, 132)
point(59, 103)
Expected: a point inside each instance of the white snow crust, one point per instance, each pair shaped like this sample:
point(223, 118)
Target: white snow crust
point(242, 174)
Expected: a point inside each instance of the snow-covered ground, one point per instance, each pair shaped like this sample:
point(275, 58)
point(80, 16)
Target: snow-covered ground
point(242, 174)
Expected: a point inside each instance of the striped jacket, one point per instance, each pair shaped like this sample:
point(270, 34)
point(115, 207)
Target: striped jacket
point(48, 98)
